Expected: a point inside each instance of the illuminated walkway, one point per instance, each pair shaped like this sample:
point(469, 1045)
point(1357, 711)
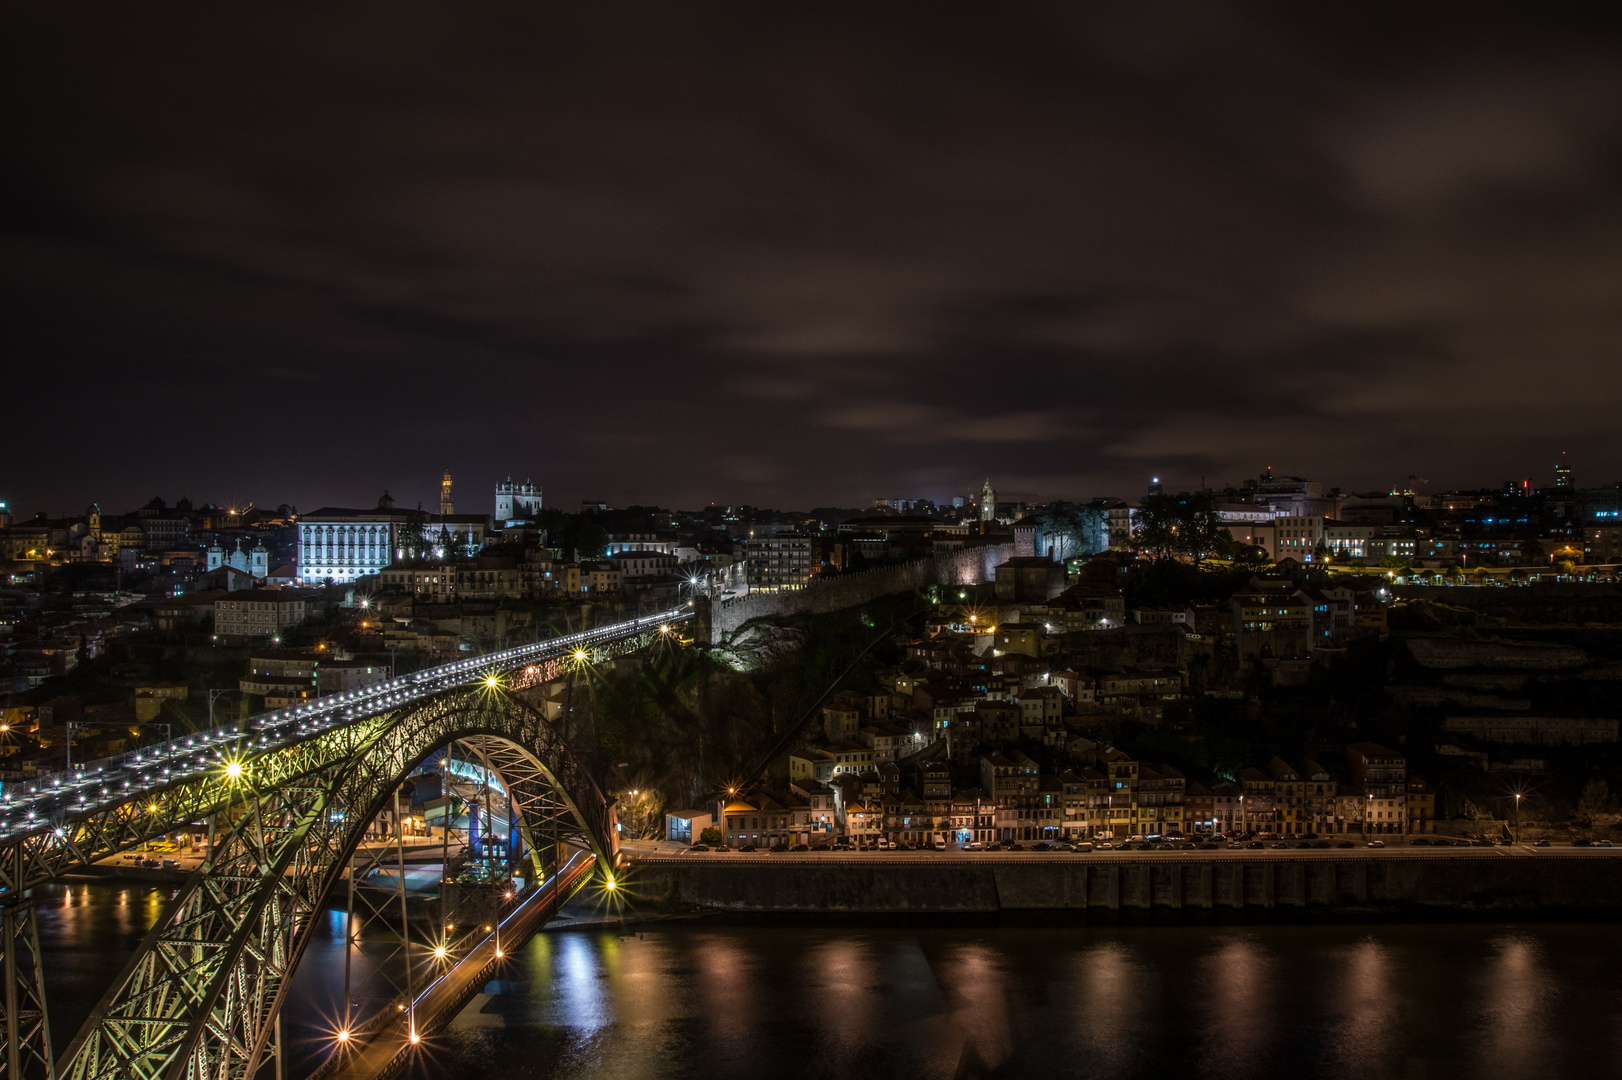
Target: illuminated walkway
point(384, 1047)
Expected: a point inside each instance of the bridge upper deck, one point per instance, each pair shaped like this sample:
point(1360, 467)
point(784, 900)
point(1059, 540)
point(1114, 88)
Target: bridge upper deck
point(47, 801)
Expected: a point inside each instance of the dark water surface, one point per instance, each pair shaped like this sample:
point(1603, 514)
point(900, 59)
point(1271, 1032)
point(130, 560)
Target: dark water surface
point(710, 1000)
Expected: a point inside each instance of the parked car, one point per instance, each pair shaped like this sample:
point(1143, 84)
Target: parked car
point(1344, 844)
point(749, 848)
point(1376, 843)
point(779, 848)
point(1541, 843)
point(1581, 841)
point(699, 847)
point(174, 864)
point(1603, 843)
point(1255, 845)
point(1209, 846)
point(974, 845)
point(1083, 846)
point(801, 847)
point(1015, 846)
point(1279, 844)
point(1042, 845)
point(151, 864)
point(1103, 845)
point(1419, 841)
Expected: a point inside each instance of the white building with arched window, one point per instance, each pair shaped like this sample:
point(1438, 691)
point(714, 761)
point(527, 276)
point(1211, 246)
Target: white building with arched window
point(343, 545)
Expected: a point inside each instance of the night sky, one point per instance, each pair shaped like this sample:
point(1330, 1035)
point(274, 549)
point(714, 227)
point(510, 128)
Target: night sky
point(802, 255)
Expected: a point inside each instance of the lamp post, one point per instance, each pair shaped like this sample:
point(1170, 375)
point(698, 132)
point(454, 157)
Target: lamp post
point(1517, 817)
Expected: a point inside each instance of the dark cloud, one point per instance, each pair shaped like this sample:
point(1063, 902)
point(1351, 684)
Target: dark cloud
point(803, 256)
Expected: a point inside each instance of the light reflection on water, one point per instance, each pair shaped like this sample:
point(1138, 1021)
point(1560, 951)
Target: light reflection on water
point(956, 1003)
point(708, 1000)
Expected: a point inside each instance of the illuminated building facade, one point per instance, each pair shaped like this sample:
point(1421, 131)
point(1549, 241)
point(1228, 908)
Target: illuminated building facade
point(343, 544)
point(517, 501)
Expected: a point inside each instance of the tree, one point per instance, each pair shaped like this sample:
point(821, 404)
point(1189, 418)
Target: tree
point(413, 543)
point(591, 540)
point(711, 836)
point(1156, 527)
point(1250, 557)
point(1073, 530)
point(1180, 525)
point(1596, 800)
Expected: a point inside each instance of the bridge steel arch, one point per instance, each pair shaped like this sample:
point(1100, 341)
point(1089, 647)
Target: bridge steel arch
point(199, 998)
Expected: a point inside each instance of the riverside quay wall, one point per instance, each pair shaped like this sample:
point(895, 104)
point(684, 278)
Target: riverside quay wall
point(1402, 884)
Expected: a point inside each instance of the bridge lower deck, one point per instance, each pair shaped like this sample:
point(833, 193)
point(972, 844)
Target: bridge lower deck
point(383, 1048)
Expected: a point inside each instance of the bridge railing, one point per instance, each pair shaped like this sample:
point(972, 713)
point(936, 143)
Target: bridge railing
point(550, 894)
point(348, 705)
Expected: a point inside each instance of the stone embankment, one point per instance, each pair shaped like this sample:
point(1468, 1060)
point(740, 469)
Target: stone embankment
point(1352, 886)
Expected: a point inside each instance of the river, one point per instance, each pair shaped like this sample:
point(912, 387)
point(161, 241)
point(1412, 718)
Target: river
point(703, 999)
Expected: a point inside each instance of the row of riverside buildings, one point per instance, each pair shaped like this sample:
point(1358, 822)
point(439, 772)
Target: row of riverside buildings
point(1112, 796)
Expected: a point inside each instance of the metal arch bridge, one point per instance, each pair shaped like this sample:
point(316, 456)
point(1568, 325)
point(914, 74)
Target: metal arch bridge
point(295, 790)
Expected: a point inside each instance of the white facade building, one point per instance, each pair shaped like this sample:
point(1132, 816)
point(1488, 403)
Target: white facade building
point(515, 501)
point(343, 545)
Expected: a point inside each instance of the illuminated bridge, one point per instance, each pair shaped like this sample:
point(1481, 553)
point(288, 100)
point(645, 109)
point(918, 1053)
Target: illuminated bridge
point(291, 794)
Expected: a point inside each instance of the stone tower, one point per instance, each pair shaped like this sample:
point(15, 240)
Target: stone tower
point(988, 501)
point(447, 505)
point(517, 501)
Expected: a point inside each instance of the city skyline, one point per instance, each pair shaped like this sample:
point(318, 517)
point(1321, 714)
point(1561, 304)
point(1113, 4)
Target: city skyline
point(806, 256)
point(472, 498)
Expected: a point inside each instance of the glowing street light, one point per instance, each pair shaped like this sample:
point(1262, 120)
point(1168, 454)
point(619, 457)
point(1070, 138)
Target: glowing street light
point(234, 770)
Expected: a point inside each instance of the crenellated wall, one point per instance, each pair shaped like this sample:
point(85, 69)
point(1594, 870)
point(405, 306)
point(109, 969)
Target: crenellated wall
point(965, 567)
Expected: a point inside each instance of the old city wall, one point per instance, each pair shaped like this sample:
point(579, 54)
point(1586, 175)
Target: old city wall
point(1350, 886)
point(965, 567)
